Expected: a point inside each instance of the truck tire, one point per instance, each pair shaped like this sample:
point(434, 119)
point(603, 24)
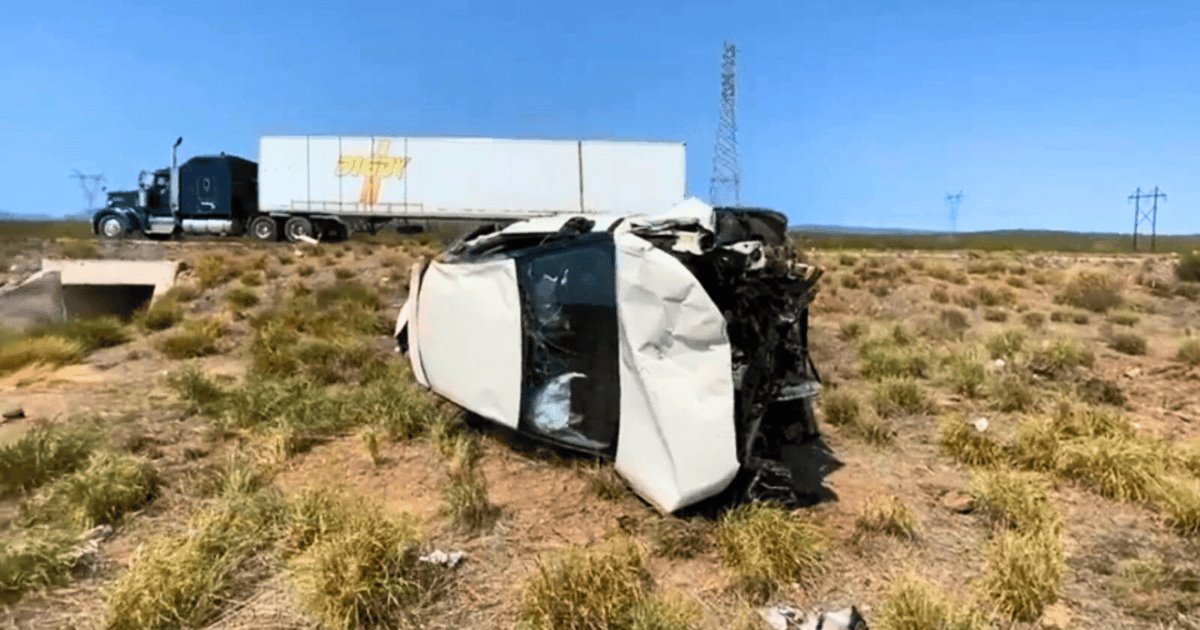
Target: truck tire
point(264, 229)
point(112, 227)
point(296, 227)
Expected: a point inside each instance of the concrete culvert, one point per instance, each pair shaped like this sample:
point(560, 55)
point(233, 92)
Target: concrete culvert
point(80, 289)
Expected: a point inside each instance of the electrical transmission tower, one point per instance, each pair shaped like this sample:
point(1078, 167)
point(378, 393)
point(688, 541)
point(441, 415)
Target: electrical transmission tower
point(91, 186)
point(1149, 215)
point(725, 187)
point(954, 201)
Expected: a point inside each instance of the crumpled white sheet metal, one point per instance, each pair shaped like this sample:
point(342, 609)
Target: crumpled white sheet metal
point(677, 440)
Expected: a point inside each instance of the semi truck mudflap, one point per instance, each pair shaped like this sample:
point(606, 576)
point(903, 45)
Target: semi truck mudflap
point(666, 344)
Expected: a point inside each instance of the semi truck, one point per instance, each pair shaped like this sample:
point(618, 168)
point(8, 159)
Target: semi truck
point(326, 187)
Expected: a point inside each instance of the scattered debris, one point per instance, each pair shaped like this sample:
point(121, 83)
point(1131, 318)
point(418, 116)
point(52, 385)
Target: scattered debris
point(958, 502)
point(789, 618)
point(89, 547)
point(676, 344)
point(980, 424)
point(304, 238)
point(448, 559)
point(12, 411)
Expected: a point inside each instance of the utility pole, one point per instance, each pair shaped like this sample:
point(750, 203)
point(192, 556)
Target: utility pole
point(726, 183)
point(1149, 215)
point(954, 201)
point(91, 186)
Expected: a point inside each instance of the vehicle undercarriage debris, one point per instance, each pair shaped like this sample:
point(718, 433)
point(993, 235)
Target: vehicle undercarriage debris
point(677, 345)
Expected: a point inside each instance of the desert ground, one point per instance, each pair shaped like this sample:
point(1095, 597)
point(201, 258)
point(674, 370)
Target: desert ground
point(1018, 437)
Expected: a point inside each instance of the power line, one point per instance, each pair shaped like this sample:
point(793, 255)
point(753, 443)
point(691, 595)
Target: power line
point(726, 182)
point(954, 201)
point(91, 186)
point(1149, 215)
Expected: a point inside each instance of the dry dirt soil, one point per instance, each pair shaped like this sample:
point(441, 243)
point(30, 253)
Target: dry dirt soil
point(548, 503)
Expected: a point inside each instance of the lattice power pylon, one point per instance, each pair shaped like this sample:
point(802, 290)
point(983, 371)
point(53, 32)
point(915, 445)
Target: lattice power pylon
point(725, 187)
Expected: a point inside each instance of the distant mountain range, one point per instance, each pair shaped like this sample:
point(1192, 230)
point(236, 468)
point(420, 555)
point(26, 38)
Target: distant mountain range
point(13, 216)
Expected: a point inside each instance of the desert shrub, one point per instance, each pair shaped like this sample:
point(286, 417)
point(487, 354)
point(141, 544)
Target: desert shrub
point(993, 296)
point(1012, 391)
point(98, 494)
point(1058, 358)
point(43, 453)
point(161, 315)
point(182, 580)
point(995, 315)
point(1152, 589)
point(880, 290)
point(277, 352)
point(1034, 320)
point(1096, 292)
point(1178, 499)
point(673, 537)
point(341, 273)
point(966, 373)
point(195, 338)
point(591, 590)
point(241, 298)
point(872, 429)
point(1188, 268)
point(253, 278)
point(605, 482)
point(911, 603)
point(955, 321)
point(34, 560)
point(1101, 391)
point(888, 516)
point(305, 270)
point(1036, 444)
point(54, 351)
point(1006, 344)
point(939, 295)
point(883, 360)
point(1189, 352)
point(965, 443)
point(846, 260)
point(89, 334)
point(365, 573)
point(1116, 467)
point(74, 248)
point(182, 292)
point(1128, 343)
point(1124, 319)
point(1022, 572)
point(1016, 282)
point(897, 396)
point(765, 545)
point(853, 329)
point(943, 272)
point(212, 271)
point(1014, 500)
point(466, 497)
point(841, 407)
point(201, 393)
point(1072, 419)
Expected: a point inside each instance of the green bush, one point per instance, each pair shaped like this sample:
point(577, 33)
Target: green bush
point(1189, 352)
point(98, 494)
point(1128, 343)
point(1096, 292)
point(1188, 269)
point(43, 453)
point(766, 546)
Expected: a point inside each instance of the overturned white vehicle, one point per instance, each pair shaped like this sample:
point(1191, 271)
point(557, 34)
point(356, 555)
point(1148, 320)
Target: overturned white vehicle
point(676, 344)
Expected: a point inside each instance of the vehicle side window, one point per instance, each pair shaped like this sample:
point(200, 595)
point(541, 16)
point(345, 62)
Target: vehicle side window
point(570, 388)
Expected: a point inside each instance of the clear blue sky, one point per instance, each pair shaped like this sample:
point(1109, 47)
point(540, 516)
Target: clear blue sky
point(1047, 114)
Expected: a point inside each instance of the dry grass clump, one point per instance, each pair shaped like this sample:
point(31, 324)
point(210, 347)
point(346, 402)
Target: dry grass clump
point(943, 272)
point(1124, 319)
point(1128, 343)
point(1188, 267)
point(201, 393)
point(364, 571)
point(965, 373)
point(940, 295)
point(252, 278)
point(1005, 344)
point(76, 249)
point(1178, 498)
point(955, 321)
point(967, 444)
point(597, 589)
point(1022, 572)
point(43, 453)
point(853, 329)
point(886, 357)
point(993, 296)
point(1189, 352)
point(1012, 391)
point(605, 482)
point(912, 603)
point(1117, 467)
point(54, 351)
point(89, 334)
point(901, 396)
point(1034, 320)
point(1096, 292)
point(1036, 444)
point(212, 271)
point(1153, 589)
point(889, 516)
point(467, 503)
point(672, 537)
point(841, 406)
point(765, 545)
point(195, 338)
point(995, 315)
point(1014, 500)
point(241, 298)
point(100, 493)
point(34, 560)
point(1058, 358)
point(160, 315)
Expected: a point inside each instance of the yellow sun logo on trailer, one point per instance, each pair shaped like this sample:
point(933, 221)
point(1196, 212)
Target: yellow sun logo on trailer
point(374, 169)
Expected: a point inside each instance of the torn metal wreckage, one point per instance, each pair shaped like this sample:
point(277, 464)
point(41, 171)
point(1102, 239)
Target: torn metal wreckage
point(677, 345)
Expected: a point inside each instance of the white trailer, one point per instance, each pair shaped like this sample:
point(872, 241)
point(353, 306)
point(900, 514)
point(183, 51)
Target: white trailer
point(314, 185)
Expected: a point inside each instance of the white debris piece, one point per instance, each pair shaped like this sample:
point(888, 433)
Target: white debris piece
point(788, 618)
point(981, 424)
point(448, 559)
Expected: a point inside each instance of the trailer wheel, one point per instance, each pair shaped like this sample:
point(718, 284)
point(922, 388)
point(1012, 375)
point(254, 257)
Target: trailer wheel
point(264, 229)
point(296, 227)
point(112, 227)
